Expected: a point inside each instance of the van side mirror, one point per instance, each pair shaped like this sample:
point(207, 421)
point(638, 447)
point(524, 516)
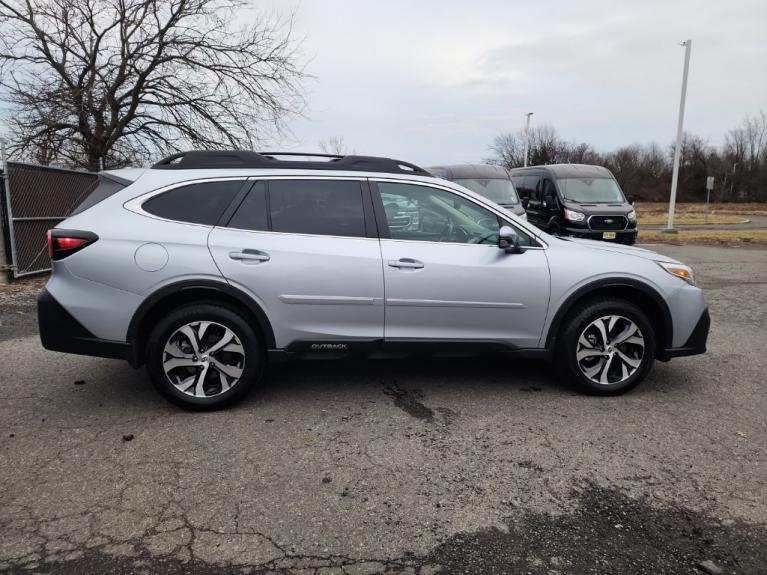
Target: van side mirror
point(630, 199)
point(549, 199)
point(508, 240)
point(525, 202)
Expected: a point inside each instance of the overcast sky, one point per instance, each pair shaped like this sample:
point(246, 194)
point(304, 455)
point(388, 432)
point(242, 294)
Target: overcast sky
point(434, 81)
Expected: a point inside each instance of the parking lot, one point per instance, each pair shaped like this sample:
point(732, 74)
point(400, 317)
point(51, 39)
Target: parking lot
point(423, 465)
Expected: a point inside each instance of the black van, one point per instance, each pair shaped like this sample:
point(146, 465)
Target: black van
point(576, 200)
point(492, 182)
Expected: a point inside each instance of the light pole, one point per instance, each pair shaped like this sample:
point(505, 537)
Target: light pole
point(679, 131)
point(527, 136)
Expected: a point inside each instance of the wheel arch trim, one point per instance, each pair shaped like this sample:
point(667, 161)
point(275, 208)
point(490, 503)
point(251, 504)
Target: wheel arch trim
point(596, 285)
point(214, 287)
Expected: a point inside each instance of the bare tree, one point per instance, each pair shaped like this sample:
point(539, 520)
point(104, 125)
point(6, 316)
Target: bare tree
point(745, 153)
point(93, 82)
point(334, 145)
point(546, 147)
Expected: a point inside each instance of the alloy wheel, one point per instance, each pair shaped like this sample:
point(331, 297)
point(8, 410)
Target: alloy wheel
point(203, 359)
point(610, 349)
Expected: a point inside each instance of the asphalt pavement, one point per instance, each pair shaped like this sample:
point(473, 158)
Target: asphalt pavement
point(480, 465)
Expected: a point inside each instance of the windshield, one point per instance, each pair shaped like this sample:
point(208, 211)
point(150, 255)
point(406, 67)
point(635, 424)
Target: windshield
point(500, 191)
point(591, 190)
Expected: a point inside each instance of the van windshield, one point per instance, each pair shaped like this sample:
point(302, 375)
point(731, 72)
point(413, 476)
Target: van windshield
point(498, 190)
point(591, 190)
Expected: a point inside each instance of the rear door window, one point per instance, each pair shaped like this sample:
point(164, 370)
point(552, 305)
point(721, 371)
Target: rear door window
point(317, 207)
point(252, 213)
point(201, 203)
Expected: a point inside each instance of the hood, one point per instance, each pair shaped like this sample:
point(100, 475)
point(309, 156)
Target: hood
point(516, 209)
point(613, 209)
point(621, 249)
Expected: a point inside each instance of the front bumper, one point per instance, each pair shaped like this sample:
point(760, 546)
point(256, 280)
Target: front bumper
point(59, 331)
point(624, 236)
point(695, 344)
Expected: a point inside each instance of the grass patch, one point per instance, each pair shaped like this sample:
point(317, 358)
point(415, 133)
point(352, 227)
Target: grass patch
point(709, 237)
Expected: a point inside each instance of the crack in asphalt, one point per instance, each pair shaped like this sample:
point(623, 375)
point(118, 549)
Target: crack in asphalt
point(606, 531)
point(394, 467)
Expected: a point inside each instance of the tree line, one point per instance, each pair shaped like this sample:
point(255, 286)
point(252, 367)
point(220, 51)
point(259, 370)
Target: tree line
point(739, 166)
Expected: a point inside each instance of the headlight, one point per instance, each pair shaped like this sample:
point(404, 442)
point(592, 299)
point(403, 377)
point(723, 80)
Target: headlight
point(632, 216)
point(679, 270)
point(574, 216)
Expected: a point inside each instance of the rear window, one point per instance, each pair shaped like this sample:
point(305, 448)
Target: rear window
point(318, 207)
point(202, 203)
point(108, 185)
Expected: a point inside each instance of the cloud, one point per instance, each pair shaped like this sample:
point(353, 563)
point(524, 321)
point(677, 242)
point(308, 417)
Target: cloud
point(436, 81)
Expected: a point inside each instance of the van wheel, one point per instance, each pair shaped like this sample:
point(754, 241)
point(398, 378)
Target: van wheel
point(204, 356)
point(607, 347)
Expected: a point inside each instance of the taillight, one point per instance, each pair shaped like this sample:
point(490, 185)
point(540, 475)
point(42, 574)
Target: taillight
point(63, 243)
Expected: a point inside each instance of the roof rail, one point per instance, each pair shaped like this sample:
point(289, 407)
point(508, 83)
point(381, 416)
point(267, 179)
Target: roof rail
point(212, 159)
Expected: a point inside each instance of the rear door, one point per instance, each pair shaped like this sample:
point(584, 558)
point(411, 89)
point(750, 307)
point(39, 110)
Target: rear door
point(306, 250)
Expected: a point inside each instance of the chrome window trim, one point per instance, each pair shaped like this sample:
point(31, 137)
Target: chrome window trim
point(294, 234)
point(136, 205)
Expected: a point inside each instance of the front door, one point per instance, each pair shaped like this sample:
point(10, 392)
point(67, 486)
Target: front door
point(445, 277)
point(306, 251)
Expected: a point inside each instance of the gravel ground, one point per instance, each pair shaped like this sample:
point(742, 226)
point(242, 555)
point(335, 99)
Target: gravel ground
point(409, 466)
point(18, 317)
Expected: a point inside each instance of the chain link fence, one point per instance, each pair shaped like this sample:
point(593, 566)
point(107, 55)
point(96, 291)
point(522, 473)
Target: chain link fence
point(34, 200)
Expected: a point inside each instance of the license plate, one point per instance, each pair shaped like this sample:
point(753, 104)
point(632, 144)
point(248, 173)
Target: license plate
point(608, 235)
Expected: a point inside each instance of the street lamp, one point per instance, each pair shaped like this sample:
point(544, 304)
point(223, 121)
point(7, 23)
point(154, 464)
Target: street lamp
point(527, 136)
point(678, 149)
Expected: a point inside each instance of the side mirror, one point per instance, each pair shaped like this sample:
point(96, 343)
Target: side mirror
point(525, 202)
point(630, 200)
point(508, 240)
point(549, 199)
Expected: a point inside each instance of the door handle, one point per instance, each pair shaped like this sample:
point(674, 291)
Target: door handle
point(249, 256)
point(406, 263)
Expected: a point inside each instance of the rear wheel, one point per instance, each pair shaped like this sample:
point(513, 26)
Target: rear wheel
point(607, 347)
point(204, 356)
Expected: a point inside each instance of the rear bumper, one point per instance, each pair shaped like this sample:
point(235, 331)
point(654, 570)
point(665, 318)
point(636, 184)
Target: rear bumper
point(59, 331)
point(695, 344)
point(628, 235)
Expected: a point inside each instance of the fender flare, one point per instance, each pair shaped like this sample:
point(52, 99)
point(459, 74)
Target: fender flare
point(585, 290)
point(200, 284)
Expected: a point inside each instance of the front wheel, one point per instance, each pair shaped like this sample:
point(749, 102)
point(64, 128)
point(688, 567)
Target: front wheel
point(607, 347)
point(204, 356)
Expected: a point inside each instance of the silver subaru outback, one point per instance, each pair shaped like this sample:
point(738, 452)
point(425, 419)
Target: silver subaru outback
point(209, 263)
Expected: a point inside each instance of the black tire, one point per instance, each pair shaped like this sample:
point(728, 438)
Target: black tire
point(578, 321)
point(253, 356)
